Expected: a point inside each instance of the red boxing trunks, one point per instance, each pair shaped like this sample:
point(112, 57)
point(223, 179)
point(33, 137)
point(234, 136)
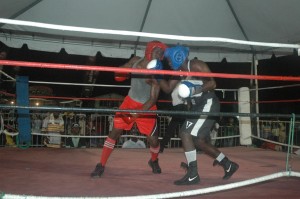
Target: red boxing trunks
point(146, 123)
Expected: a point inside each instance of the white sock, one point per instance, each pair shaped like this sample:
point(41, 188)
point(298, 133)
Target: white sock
point(191, 156)
point(220, 157)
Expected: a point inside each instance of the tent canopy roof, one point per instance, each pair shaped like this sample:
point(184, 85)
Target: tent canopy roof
point(271, 21)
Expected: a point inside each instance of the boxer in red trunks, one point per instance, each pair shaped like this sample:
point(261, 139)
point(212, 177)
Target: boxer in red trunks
point(142, 95)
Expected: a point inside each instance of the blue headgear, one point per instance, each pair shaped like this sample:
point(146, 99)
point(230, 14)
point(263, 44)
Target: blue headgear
point(177, 55)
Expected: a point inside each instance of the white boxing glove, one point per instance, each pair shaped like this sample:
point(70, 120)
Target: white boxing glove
point(155, 64)
point(188, 88)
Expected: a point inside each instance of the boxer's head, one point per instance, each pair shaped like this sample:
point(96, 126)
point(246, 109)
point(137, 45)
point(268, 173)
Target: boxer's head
point(176, 56)
point(151, 46)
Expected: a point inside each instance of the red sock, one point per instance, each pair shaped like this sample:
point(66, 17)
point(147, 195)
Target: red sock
point(154, 152)
point(108, 147)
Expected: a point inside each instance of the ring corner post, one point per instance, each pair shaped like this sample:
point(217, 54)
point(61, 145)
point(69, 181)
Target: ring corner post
point(24, 124)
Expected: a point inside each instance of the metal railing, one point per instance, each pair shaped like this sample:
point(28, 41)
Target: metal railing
point(95, 128)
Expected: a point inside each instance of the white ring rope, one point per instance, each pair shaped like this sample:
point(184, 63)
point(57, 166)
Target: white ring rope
point(144, 34)
point(274, 142)
point(267, 88)
point(10, 133)
point(128, 86)
point(78, 84)
point(83, 136)
point(6, 75)
point(2, 124)
point(5, 131)
point(176, 194)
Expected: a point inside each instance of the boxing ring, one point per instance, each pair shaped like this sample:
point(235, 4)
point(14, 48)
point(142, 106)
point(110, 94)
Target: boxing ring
point(63, 173)
point(37, 172)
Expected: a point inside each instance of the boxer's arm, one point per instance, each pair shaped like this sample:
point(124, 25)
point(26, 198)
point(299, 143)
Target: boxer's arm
point(168, 86)
point(154, 93)
point(209, 83)
point(122, 76)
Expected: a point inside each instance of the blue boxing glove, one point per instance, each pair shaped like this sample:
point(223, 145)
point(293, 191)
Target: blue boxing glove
point(189, 88)
point(156, 64)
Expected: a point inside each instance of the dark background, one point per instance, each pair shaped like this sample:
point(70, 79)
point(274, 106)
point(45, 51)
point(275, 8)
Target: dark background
point(280, 66)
